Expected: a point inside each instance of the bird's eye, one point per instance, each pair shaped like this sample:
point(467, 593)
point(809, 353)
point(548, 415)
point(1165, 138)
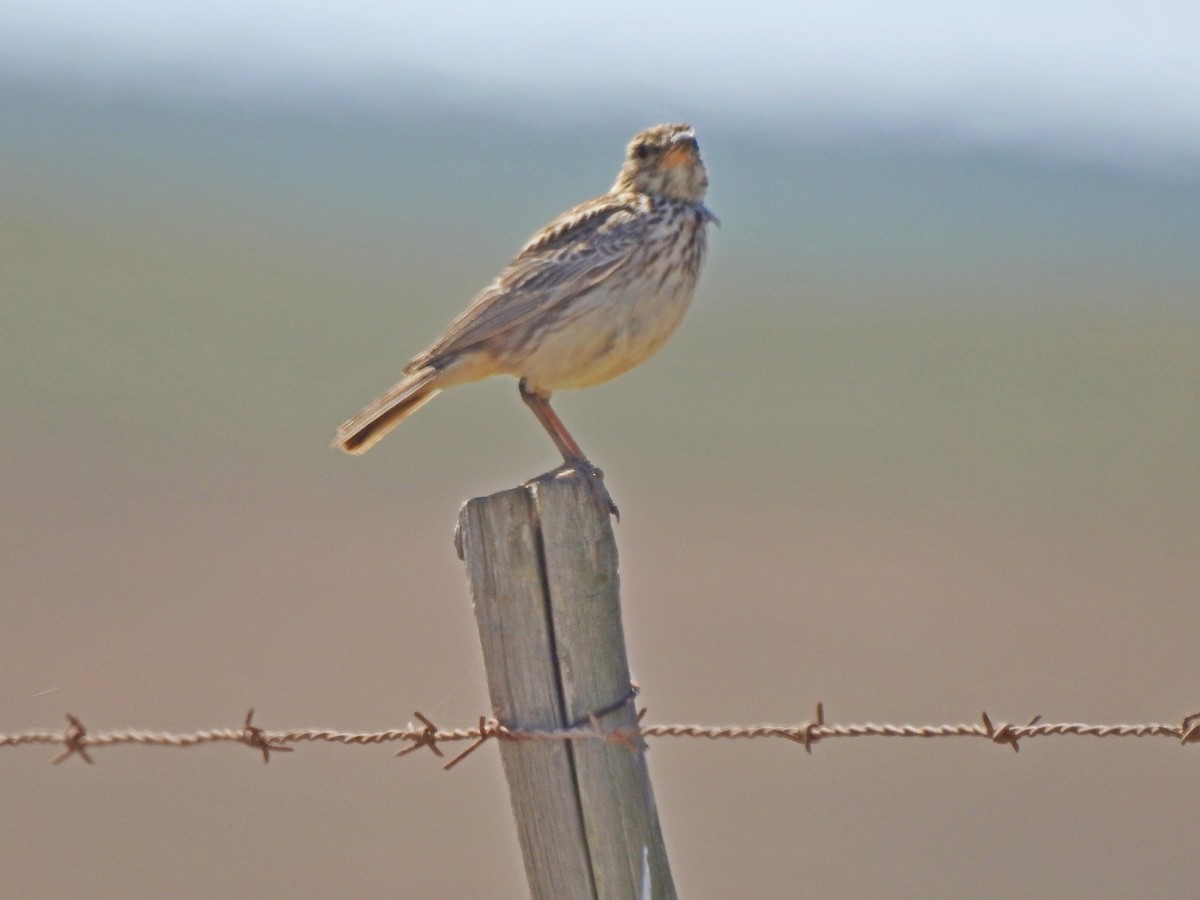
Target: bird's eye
point(641, 151)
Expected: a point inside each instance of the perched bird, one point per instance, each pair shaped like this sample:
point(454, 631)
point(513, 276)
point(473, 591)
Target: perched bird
point(593, 294)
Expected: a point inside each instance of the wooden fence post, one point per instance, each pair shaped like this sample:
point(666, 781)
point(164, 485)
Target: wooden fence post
point(542, 563)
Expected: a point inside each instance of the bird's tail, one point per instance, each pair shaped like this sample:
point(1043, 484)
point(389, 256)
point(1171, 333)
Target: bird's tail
point(362, 432)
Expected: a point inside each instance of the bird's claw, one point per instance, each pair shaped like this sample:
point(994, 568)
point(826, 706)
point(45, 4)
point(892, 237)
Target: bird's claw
point(593, 475)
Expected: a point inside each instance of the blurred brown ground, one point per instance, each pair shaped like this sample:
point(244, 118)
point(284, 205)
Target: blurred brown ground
point(927, 445)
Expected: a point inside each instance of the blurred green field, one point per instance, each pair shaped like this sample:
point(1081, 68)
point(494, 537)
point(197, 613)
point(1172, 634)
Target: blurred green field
point(1003, 330)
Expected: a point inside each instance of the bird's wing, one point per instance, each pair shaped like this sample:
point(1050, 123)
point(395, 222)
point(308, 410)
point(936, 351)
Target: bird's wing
point(567, 258)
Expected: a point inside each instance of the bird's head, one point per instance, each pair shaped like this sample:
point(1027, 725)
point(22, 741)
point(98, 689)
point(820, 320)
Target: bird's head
point(664, 161)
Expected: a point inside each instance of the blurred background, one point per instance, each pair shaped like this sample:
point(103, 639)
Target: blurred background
point(926, 445)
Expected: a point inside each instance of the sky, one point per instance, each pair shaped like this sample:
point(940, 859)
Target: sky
point(1109, 81)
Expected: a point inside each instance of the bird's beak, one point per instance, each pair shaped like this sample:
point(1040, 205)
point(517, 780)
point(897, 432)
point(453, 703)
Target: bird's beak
point(683, 151)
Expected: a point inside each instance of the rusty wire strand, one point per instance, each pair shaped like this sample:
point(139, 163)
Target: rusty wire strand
point(75, 739)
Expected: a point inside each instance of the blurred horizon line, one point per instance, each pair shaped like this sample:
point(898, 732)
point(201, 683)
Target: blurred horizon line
point(1079, 137)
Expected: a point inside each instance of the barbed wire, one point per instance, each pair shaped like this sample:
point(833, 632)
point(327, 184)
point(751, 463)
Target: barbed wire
point(77, 741)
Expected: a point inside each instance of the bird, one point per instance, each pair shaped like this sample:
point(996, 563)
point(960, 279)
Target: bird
point(592, 294)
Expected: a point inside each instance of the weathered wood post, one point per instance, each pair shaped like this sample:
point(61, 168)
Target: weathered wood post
point(542, 563)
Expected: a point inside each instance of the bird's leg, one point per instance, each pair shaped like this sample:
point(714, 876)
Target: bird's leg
point(574, 460)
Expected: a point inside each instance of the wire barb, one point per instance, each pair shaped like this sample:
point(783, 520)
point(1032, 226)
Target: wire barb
point(253, 736)
point(428, 737)
point(1190, 729)
point(1008, 733)
point(73, 739)
point(487, 729)
point(811, 733)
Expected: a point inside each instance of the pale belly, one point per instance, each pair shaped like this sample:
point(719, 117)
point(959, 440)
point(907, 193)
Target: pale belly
point(602, 335)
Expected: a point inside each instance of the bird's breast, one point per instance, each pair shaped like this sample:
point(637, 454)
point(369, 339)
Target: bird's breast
point(623, 320)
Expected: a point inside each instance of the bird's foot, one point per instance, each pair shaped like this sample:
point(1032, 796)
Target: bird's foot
point(582, 468)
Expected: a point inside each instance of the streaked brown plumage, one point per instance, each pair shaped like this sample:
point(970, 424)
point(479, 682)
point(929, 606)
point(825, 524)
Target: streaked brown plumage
point(593, 294)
